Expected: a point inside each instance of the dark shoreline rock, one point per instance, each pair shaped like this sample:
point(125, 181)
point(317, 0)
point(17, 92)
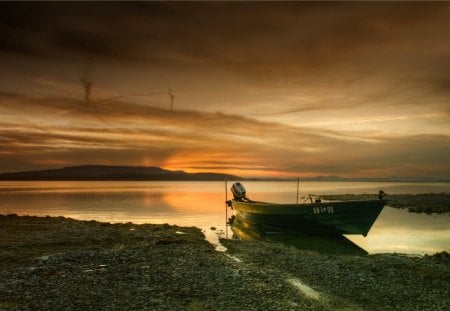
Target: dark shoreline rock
point(55, 263)
point(438, 203)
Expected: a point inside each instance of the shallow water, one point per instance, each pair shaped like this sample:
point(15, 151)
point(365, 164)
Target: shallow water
point(201, 204)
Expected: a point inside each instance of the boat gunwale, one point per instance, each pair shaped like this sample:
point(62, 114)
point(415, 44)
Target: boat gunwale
point(265, 204)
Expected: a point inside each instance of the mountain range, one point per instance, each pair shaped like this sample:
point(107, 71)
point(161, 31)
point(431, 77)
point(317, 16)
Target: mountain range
point(105, 172)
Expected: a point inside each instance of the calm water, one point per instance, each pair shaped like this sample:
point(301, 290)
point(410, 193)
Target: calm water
point(201, 204)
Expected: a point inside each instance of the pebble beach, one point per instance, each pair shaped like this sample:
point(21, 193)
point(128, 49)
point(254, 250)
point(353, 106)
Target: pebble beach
point(57, 263)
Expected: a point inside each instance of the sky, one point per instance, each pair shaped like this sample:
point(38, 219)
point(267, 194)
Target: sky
point(274, 89)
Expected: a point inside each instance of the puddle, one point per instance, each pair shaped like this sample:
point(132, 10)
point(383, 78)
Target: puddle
point(213, 236)
point(234, 258)
point(304, 289)
point(220, 248)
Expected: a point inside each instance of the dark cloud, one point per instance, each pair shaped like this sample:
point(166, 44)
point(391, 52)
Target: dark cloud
point(291, 44)
point(202, 29)
point(256, 63)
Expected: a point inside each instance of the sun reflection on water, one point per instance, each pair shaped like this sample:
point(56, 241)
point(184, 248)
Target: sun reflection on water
point(202, 204)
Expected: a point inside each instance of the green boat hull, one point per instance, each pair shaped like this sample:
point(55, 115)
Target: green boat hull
point(350, 217)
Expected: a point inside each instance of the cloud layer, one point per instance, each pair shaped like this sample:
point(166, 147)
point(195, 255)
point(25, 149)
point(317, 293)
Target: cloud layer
point(59, 131)
point(354, 89)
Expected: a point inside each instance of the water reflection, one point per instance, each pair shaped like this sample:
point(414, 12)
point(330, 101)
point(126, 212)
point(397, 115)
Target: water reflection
point(335, 244)
point(201, 204)
point(400, 231)
point(197, 202)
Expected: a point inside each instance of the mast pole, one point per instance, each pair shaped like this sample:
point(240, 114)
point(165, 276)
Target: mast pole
point(298, 185)
point(226, 209)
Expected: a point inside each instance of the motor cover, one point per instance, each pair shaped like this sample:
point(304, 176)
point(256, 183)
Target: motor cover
point(238, 190)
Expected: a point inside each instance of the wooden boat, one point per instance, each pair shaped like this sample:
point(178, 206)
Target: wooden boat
point(334, 217)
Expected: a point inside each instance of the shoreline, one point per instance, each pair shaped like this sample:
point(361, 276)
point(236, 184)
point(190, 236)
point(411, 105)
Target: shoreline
point(60, 263)
point(429, 203)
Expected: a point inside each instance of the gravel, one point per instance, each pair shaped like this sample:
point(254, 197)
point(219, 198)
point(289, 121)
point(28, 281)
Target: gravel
point(49, 263)
point(371, 282)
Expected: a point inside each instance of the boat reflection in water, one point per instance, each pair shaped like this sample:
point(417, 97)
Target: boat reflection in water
point(316, 226)
point(325, 244)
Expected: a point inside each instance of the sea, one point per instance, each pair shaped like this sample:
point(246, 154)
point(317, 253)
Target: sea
point(202, 204)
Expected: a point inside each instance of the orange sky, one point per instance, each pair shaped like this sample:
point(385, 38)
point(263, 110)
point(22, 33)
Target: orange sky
point(261, 89)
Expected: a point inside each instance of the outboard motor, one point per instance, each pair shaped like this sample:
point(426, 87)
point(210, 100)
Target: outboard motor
point(238, 191)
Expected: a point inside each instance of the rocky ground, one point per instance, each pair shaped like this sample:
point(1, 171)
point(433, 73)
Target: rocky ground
point(373, 282)
point(51, 263)
point(438, 203)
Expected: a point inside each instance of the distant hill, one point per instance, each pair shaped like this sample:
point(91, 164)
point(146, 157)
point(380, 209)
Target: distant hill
point(105, 172)
point(376, 179)
point(334, 178)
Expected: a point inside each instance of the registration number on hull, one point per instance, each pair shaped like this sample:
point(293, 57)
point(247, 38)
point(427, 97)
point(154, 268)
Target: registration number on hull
point(323, 210)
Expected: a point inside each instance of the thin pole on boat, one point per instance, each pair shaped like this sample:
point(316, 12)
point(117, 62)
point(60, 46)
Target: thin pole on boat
point(226, 208)
point(298, 185)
